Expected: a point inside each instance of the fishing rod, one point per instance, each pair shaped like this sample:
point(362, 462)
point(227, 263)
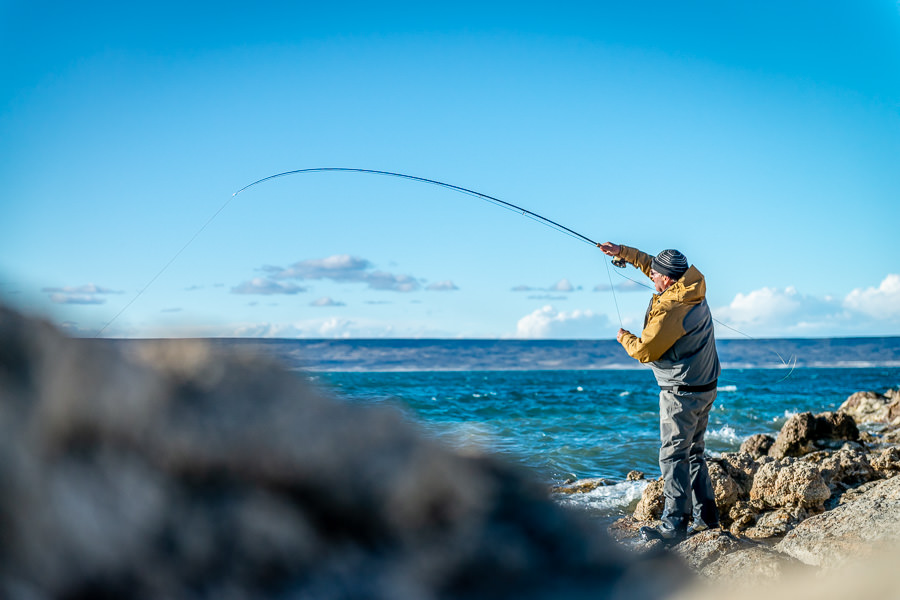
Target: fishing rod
point(450, 186)
point(618, 262)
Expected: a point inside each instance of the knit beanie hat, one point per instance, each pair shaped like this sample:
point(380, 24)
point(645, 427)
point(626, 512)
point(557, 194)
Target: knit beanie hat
point(671, 263)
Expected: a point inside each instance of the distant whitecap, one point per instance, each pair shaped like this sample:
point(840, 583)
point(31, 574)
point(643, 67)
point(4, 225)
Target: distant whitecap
point(726, 434)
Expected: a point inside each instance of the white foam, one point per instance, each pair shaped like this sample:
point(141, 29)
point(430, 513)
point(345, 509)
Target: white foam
point(625, 393)
point(606, 497)
point(726, 388)
point(725, 433)
point(787, 415)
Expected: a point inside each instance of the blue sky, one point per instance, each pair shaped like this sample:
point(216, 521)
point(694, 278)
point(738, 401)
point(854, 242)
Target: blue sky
point(761, 139)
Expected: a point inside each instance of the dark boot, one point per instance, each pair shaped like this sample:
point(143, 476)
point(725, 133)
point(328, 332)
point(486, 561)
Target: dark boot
point(698, 525)
point(669, 530)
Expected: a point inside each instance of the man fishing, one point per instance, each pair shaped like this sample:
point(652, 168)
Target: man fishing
point(679, 344)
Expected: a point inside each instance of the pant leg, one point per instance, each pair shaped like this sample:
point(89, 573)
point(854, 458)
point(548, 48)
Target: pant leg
point(702, 493)
point(674, 460)
point(686, 484)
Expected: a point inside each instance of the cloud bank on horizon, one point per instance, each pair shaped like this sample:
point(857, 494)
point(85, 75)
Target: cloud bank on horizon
point(760, 313)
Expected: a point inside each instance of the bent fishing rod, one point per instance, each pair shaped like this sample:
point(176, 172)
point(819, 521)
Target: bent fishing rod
point(449, 186)
point(618, 262)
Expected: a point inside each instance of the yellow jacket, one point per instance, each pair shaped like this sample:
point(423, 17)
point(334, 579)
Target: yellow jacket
point(678, 335)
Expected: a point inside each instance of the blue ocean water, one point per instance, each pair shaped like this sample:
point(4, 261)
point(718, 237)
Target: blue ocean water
point(571, 424)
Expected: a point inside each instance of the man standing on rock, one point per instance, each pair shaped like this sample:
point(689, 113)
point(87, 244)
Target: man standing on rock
point(678, 342)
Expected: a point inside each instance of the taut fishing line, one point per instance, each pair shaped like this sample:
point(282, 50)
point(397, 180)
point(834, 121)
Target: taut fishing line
point(469, 192)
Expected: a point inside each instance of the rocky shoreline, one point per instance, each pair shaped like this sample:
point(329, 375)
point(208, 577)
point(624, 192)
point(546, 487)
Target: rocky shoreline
point(177, 470)
point(820, 495)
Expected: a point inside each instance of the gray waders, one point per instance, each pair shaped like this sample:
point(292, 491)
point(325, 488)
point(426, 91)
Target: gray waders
point(683, 417)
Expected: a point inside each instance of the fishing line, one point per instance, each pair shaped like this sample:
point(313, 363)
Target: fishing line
point(791, 362)
point(615, 299)
point(164, 267)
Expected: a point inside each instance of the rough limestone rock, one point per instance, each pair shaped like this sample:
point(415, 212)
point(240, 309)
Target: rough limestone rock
point(727, 491)
point(886, 461)
point(855, 493)
point(856, 529)
point(178, 472)
point(846, 468)
point(789, 579)
point(741, 466)
point(789, 482)
point(652, 502)
point(757, 445)
point(749, 567)
point(743, 515)
point(796, 437)
point(836, 426)
point(872, 407)
point(706, 547)
point(776, 523)
point(804, 433)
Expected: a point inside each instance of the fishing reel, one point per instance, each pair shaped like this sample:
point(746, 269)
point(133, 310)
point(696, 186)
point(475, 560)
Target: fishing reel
point(618, 261)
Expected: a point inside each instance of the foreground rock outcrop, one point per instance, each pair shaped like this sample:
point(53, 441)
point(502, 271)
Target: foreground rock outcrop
point(856, 529)
point(179, 472)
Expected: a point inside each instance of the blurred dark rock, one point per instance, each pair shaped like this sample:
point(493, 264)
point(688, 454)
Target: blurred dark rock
point(177, 471)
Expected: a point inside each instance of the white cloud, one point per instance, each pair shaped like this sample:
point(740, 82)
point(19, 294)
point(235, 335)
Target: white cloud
point(787, 312)
point(331, 328)
point(779, 313)
point(765, 306)
point(563, 285)
point(340, 267)
point(882, 302)
point(549, 323)
point(442, 286)
point(82, 294)
point(266, 287)
point(344, 268)
point(326, 301)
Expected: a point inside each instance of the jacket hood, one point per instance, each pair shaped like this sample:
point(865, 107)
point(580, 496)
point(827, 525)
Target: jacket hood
point(690, 289)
